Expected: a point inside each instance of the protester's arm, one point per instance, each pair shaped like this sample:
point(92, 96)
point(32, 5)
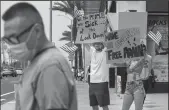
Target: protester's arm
point(52, 89)
point(140, 62)
point(88, 46)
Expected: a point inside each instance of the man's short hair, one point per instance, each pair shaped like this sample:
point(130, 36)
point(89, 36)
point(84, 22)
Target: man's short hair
point(19, 9)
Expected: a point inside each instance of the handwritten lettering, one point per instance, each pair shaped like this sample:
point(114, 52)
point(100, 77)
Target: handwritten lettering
point(112, 36)
point(91, 17)
point(126, 36)
point(134, 51)
point(92, 29)
point(90, 23)
point(82, 38)
point(97, 36)
point(114, 55)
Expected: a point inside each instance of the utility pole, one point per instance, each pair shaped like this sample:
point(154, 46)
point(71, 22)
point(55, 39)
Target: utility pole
point(50, 21)
point(72, 32)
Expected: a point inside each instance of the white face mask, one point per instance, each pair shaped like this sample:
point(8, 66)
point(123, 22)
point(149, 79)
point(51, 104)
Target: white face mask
point(21, 51)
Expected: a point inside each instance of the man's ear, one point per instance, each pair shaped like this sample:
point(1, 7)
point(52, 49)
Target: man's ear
point(38, 30)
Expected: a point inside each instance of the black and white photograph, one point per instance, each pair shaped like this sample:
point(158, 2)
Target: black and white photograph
point(84, 55)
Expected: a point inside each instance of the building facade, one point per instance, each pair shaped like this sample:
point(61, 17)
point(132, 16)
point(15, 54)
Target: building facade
point(157, 13)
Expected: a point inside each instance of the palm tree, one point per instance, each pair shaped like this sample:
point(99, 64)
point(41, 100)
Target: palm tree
point(67, 35)
point(68, 7)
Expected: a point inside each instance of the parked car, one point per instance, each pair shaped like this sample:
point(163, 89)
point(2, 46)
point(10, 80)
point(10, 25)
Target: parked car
point(8, 72)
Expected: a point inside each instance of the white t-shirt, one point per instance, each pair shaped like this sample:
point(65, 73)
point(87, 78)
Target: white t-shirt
point(146, 68)
point(99, 68)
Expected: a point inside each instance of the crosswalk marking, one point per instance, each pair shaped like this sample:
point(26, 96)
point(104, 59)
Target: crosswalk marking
point(11, 102)
point(3, 100)
point(7, 93)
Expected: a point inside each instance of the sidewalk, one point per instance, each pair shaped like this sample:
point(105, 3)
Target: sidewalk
point(153, 101)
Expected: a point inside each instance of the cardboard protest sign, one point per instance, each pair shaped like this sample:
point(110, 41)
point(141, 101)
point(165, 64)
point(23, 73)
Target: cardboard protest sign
point(91, 28)
point(124, 44)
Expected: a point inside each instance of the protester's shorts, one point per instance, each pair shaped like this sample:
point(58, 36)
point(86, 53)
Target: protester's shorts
point(99, 94)
point(134, 87)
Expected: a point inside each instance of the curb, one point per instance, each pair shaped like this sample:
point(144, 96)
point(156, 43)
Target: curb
point(8, 106)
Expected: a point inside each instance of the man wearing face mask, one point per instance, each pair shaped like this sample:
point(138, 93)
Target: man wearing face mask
point(47, 83)
point(99, 77)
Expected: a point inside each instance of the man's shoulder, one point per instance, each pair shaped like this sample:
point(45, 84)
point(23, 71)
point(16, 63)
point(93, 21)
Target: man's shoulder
point(50, 57)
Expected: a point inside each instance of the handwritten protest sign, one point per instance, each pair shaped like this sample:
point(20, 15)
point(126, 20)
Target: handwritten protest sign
point(124, 44)
point(91, 28)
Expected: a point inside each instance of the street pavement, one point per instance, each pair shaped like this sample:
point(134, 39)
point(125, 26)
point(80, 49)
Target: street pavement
point(153, 101)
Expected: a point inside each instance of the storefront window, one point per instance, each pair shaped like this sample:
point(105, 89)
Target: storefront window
point(160, 60)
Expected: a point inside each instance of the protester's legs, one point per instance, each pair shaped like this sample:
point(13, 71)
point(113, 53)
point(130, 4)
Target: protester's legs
point(88, 79)
point(92, 97)
point(127, 100)
point(103, 101)
point(105, 108)
point(95, 107)
point(102, 95)
point(139, 96)
point(94, 102)
point(128, 96)
point(146, 86)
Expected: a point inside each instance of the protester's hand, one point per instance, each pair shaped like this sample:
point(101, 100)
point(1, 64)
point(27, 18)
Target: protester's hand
point(139, 63)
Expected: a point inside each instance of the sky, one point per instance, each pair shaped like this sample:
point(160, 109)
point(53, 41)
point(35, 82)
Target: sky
point(60, 20)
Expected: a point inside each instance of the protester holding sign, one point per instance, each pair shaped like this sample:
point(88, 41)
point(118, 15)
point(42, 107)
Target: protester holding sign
point(134, 86)
point(99, 77)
